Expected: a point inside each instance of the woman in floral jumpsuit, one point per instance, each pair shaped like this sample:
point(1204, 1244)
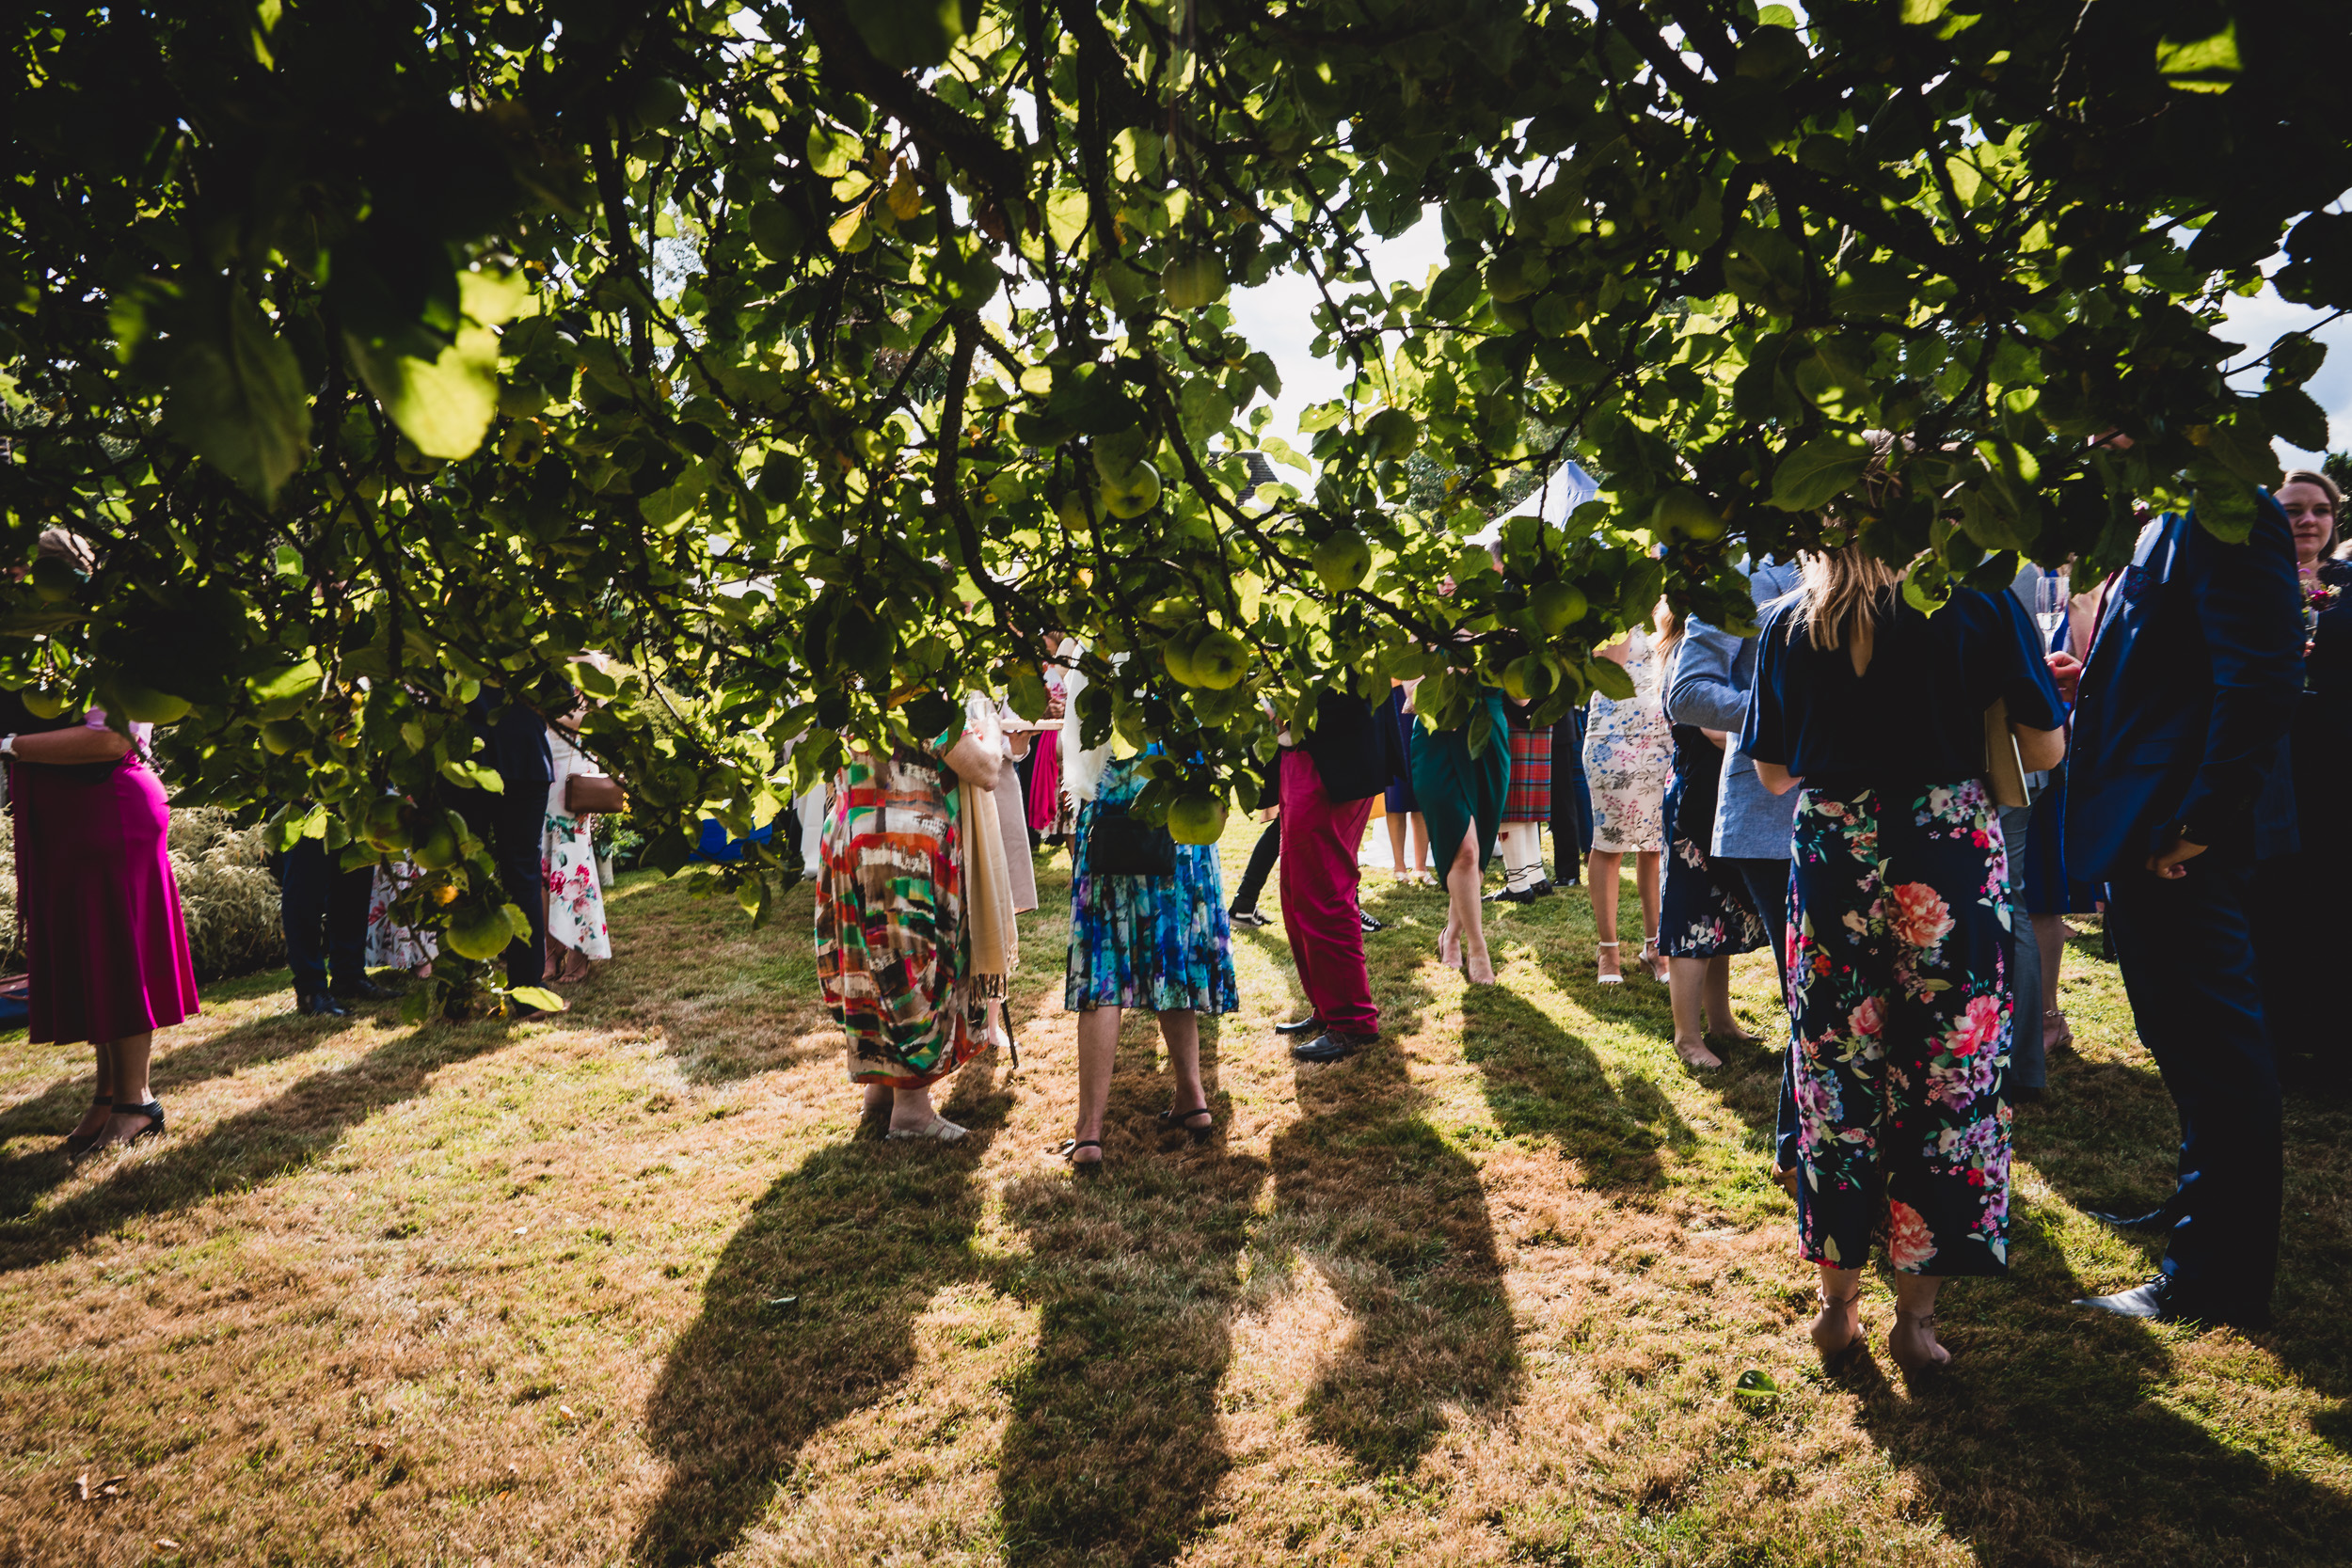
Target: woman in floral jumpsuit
point(1898, 922)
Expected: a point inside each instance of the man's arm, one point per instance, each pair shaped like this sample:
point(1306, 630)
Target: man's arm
point(1704, 691)
point(2246, 601)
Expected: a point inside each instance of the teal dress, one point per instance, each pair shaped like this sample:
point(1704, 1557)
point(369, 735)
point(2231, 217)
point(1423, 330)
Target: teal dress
point(1457, 789)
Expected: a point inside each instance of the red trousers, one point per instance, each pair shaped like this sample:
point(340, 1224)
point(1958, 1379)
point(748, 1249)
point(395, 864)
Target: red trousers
point(1320, 837)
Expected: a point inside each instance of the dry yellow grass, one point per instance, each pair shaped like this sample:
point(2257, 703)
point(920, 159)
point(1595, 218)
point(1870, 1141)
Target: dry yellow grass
point(480, 1294)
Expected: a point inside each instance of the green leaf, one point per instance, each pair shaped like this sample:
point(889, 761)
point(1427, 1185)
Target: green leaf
point(2243, 449)
point(237, 398)
point(1819, 472)
point(831, 151)
point(539, 997)
point(444, 405)
point(909, 34)
point(296, 680)
point(1756, 1384)
point(2200, 65)
point(1066, 216)
point(2294, 416)
point(1609, 678)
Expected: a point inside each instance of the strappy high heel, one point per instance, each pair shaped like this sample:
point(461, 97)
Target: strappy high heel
point(1834, 1358)
point(82, 1143)
point(152, 1111)
point(1652, 959)
point(1920, 1375)
point(1609, 952)
point(1172, 1119)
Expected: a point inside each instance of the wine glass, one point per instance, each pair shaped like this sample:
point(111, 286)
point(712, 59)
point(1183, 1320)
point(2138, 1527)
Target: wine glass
point(2049, 605)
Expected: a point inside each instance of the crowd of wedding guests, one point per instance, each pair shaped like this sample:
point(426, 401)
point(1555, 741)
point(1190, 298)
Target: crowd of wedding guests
point(1902, 808)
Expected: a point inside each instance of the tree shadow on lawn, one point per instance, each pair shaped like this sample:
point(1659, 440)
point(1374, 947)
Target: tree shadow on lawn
point(1114, 1449)
point(1542, 1080)
point(252, 1146)
point(57, 1109)
point(864, 1234)
point(1395, 1218)
point(2044, 1444)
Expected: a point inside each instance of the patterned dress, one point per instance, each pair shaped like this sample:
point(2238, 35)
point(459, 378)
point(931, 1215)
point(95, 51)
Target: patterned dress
point(1163, 944)
point(1898, 922)
point(894, 956)
point(1629, 759)
point(568, 860)
point(392, 944)
point(1701, 913)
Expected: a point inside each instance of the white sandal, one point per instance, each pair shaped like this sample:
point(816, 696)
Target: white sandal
point(940, 1131)
point(1608, 979)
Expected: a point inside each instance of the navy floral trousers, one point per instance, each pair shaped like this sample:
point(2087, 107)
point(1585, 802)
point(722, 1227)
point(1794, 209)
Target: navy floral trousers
point(1898, 925)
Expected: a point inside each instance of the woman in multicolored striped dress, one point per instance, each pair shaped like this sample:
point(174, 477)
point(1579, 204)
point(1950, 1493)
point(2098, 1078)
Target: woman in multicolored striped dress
point(892, 943)
point(1160, 942)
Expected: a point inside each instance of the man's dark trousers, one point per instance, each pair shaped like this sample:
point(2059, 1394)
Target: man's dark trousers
point(1767, 883)
point(519, 822)
point(2186, 952)
point(325, 913)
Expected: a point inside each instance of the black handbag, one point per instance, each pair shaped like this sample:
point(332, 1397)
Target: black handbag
point(1118, 845)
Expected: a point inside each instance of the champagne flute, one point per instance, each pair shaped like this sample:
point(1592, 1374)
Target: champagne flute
point(2049, 605)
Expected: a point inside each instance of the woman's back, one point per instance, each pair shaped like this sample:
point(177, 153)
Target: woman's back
point(1915, 712)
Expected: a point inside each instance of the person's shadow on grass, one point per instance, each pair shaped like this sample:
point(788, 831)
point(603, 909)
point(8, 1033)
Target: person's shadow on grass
point(1114, 1448)
point(862, 1236)
point(245, 1149)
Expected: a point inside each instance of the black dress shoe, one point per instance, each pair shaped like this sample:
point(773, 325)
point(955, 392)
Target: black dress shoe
point(318, 1003)
point(363, 989)
point(2158, 1301)
point(1331, 1047)
point(1246, 917)
point(1307, 1026)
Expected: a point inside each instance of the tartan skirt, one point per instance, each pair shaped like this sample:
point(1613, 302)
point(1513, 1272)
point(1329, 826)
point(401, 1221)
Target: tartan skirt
point(1529, 800)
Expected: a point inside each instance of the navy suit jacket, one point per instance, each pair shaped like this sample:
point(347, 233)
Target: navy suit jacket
point(2186, 699)
point(1345, 746)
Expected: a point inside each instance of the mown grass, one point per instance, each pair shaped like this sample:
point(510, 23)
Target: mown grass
point(1481, 1295)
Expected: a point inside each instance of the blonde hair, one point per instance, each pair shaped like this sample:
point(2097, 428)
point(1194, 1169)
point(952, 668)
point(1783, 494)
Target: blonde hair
point(1838, 597)
point(1669, 629)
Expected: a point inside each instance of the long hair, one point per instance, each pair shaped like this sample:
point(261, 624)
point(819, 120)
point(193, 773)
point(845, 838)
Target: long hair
point(2334, 493)
point(1669, 629)
point(1840, 594)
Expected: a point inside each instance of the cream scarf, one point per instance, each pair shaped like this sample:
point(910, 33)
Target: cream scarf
point(987, 878)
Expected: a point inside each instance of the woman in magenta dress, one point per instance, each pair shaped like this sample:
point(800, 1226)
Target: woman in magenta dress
point(105, 945)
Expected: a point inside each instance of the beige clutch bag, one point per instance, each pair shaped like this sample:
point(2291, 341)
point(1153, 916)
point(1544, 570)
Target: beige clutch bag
point(2004, 768)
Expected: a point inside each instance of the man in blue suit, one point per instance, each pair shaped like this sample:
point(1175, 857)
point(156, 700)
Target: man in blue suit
point(2179, 785)
point(1713, 674)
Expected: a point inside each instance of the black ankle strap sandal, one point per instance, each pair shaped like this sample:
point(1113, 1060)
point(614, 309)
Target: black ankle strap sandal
point(82, 1143)
point(1172, 1120)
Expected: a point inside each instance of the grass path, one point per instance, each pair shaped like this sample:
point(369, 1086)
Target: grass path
point(454, 1295)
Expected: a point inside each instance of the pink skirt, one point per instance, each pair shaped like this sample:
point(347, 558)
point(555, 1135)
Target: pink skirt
point(1046, 783)
point(105, 945)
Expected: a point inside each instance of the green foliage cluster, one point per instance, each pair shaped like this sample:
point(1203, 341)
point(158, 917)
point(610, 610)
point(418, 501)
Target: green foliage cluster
point(803, 358)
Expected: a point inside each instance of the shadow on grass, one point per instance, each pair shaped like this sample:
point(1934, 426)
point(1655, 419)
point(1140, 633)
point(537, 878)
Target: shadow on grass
point(864, 1234)
point(250, 1147)
point(1373, 1195)
point(255, 1043)
point(1114, 1452)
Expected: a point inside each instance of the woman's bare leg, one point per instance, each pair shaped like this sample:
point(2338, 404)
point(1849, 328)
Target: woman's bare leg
point(1603, 871)
point(1098, 1046)
point(1912, 1341)
point(95, 1118)
point(1646, 879)
point(2049, 934)
point(1181, 1030)
point(1420, 842)
point(1841, 1318)
point(1396, 846)
point(129, 1056)
point(1686, 979)
point(910, 1110)
point(1722, 1024)
point(1465, 916)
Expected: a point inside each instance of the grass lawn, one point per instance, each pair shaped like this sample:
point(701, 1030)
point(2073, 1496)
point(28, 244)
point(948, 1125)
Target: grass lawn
point(394, 1296)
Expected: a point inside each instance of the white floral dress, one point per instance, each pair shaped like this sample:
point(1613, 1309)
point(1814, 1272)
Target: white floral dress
point(391, 944)
point(568, 860)
point(1630, 759)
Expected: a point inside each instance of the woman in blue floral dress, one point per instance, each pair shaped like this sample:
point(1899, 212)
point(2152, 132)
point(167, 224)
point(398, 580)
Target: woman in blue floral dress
point(1898, 924)
point(1159, 943)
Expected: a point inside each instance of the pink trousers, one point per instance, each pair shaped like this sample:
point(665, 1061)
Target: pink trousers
point(1320, 837)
